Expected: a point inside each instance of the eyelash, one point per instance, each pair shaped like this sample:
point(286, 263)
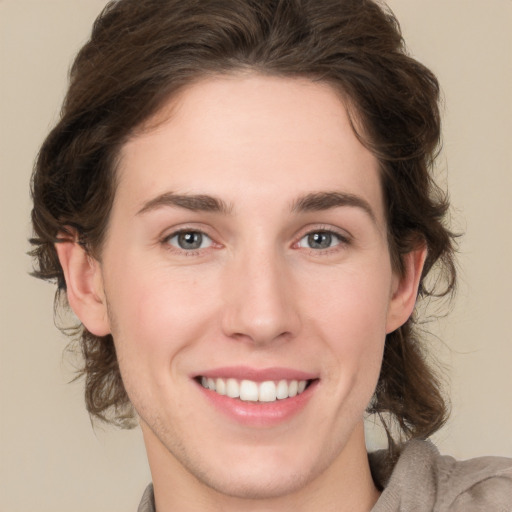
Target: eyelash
point(166, 241)
point(341, 241)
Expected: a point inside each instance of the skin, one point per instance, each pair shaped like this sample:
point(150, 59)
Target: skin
point(256, 293)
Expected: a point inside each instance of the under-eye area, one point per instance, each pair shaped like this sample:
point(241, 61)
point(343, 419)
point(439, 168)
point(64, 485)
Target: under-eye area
point(252, 391)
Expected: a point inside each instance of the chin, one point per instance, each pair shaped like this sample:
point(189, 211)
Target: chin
point(260, 472)
point(249, 483)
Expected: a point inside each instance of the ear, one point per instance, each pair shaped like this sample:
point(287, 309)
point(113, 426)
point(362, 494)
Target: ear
point(405, 289)
point(84, 286)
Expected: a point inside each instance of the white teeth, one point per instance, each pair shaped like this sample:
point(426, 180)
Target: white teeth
point(267, 392)
point(292, 388)
point(251, 391)
point(282, 389)
point(220, 386)
point(232, 388)
point(248, 390)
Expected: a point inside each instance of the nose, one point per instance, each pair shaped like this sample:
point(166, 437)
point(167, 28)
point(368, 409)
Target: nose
point(261, 304)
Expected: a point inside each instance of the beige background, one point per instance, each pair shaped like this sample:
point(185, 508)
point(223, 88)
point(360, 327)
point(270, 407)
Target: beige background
point(50, 457)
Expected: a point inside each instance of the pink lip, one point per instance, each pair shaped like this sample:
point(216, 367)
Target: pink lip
point(257, 375)
point(259, 414)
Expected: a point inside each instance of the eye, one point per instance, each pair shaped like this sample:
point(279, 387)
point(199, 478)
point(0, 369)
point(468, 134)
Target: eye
point(320, 240)
point(189, 240)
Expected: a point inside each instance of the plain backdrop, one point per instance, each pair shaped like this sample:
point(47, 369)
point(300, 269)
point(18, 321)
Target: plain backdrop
point(51, 458)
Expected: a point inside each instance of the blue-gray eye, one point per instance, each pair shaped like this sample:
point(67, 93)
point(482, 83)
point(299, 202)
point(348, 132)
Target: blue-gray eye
point(190, 240)
point(320, 240)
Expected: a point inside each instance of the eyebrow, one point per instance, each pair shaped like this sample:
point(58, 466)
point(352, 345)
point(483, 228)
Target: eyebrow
point(312, 202)
point(200, 202)
point(318, 201)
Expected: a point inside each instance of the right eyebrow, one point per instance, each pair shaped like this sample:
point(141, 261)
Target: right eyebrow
point(318, 201)
point(199, 202)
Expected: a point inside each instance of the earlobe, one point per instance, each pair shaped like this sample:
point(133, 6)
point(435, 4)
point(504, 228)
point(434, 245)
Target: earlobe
point(405, 289)
point(84, 286)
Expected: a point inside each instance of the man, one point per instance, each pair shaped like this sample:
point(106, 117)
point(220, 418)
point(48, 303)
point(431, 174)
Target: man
point(238, 207)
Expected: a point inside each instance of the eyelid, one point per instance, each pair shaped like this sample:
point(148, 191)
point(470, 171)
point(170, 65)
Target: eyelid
point(343, 236)
point(178, 233)
point(170, 233)
point(324, 228)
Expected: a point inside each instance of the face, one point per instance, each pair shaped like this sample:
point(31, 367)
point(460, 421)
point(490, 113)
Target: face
point(247, 283)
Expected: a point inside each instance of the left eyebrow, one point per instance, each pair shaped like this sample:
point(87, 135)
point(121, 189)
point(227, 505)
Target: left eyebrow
point(317, 201)
point(196, 202)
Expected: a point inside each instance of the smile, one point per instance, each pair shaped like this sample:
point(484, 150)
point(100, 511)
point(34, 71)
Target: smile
point(252, 391)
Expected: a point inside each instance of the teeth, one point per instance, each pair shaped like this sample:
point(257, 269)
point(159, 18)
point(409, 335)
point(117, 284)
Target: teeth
point(267, 392)
point(250, 391)
point(293, 388)
point(232, 388)
point(220, 386)
point(282, 390)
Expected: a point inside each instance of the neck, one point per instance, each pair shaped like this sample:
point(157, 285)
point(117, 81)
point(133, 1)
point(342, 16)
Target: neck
point(346, 485)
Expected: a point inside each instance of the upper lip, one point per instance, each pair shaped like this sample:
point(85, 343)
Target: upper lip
point(257, 374)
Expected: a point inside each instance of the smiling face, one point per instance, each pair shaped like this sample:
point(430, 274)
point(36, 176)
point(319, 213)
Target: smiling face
point(247, 255)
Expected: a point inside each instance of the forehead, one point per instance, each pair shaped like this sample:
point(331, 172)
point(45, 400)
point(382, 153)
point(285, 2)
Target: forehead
point(249, 135)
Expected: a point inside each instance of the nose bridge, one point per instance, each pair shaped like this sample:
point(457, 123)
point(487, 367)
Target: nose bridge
point(260, 304)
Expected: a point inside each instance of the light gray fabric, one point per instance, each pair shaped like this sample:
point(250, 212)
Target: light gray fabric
point(147, 504)
point(424, 481)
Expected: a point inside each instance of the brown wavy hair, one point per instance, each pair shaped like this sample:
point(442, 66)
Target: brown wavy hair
point(141, 52)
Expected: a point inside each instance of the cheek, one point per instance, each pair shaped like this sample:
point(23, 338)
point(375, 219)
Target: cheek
point(155, 312)
point(351, 316)
point(352, 303)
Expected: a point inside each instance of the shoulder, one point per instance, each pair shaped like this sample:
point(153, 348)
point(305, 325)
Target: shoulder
point(425, 480)
point(147, 504)
point(484, 483)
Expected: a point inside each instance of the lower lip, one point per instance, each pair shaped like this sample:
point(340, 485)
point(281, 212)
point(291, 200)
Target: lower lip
point(260, 414)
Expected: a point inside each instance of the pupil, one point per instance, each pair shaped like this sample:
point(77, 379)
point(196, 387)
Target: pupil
point(190, 240)
point(320, 240)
